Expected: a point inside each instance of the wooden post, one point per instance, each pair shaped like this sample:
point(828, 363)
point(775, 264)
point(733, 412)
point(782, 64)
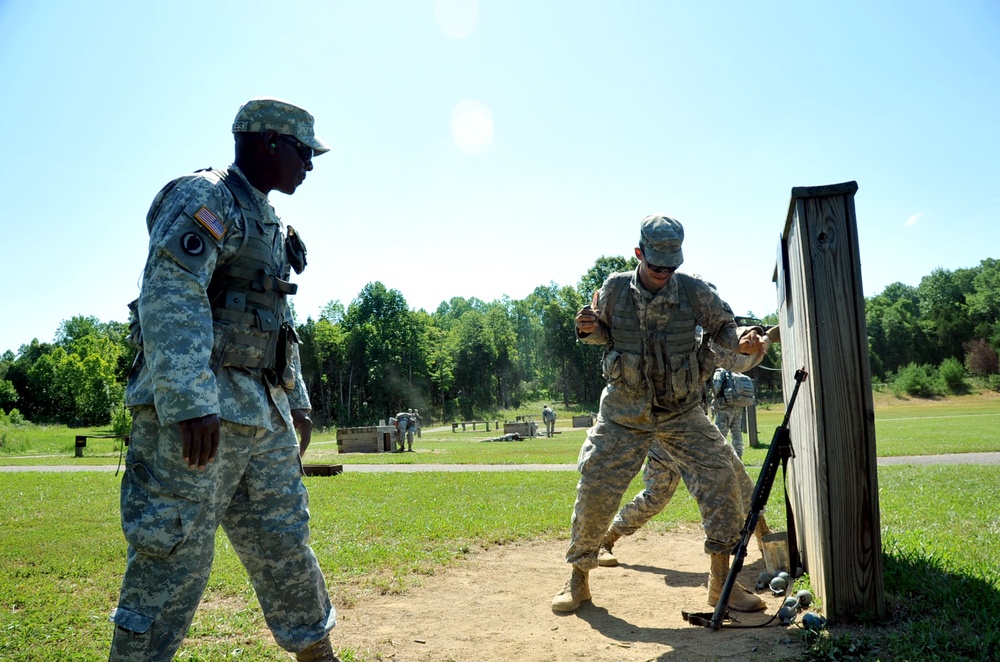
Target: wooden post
point(750, 415)
point(833, 481)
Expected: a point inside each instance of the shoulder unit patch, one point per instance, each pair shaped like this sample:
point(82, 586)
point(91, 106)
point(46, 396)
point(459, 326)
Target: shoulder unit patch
point(210, 222)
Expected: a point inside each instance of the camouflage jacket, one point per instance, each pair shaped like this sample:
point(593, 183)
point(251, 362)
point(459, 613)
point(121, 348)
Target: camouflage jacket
point(641, 403)
point(186, 247)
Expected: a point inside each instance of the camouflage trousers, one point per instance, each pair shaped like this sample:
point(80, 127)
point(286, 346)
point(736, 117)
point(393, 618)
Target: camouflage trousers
point(661, 477)
point(612, 456)
point(170, 515)
point(729, 420)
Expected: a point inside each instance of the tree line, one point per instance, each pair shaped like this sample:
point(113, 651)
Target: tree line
point(470, 358)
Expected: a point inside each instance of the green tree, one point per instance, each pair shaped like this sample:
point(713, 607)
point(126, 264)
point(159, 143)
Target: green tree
point(591, 281)
point(382, 335)
point(894, 333)
point(944, 314)
point(984, 301)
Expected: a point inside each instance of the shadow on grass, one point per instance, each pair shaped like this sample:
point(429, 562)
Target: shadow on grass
point(933, 614)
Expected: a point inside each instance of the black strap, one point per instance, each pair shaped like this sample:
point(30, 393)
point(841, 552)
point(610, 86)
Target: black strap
point(793, 547)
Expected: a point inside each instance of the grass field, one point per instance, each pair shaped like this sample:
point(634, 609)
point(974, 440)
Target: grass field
point(62, 552)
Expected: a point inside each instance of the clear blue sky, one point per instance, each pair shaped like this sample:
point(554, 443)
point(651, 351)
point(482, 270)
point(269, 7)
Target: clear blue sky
point(585, 116)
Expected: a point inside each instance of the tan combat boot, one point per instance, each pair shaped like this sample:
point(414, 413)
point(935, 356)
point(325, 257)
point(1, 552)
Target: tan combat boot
point(321, 651)
point(760, 531)
point(605, 557)
point(576, 590)
point(740, 599)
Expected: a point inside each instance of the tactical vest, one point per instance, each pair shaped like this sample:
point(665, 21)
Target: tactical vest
point(247, 297)
point(674, 351)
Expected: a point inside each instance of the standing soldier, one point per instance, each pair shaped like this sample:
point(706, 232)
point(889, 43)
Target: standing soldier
point(216, 395)
point(402, 429)
point(733, 392)
point(416, 419)
point(411, 429)
point(647, 320)
point(549, 418)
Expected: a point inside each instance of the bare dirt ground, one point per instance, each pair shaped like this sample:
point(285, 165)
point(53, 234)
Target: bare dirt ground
point(494, 605)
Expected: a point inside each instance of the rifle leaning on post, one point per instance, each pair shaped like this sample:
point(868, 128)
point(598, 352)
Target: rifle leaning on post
point(780, 451)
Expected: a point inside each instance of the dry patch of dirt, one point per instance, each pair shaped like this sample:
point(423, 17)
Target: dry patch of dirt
point(494, 605)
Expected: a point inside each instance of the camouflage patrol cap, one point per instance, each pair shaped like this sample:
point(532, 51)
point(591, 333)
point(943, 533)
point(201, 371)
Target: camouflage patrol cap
point(660, 240)
point(267, 114)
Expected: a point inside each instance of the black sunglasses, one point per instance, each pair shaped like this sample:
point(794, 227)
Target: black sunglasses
point(655, 269)
point(304, 151)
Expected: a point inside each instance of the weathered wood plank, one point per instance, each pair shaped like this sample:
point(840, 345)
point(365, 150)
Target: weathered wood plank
point(833, 479)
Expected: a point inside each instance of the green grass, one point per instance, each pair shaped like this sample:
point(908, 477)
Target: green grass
point(62, 551)
point(62, 555)
point(902, 427)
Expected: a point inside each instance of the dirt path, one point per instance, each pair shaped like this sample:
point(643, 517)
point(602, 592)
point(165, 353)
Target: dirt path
point(495, 606)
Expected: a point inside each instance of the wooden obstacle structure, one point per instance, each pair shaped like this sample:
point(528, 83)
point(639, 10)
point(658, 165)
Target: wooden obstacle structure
point(370, 439)
point(833, 478)
point(495, 424)
point(524, 428)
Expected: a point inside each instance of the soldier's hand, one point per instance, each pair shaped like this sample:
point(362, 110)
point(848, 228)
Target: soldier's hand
point(199, 440)
point(751, 343)
point(586, 321)
point(304, 425)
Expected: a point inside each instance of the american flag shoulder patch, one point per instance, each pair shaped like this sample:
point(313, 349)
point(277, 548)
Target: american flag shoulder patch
point(210, 222)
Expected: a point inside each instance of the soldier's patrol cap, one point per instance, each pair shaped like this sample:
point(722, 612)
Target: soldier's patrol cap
point(267, 114)
point(660, 240)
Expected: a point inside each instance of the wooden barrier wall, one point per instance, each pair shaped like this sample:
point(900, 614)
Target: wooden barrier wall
point(833, 479)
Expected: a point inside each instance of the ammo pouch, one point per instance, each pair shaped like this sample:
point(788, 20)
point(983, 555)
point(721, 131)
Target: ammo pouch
point(283, 373)
point(295, 250)
point(622, 368)
point(134, 330)
point(684, 376)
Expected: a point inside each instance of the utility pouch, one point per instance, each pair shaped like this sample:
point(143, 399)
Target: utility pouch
point(283, 372)
point(295, 250)
point(623, 368)
point(134, 330)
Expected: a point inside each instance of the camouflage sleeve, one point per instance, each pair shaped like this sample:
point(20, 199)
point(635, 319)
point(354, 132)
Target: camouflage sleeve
point(602, 335)
point(730, 360)
point(298, 398)
point(174, 312)
point(716, 317)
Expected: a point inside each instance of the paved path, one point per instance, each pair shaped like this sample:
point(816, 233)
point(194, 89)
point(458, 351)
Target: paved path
point(953, 458)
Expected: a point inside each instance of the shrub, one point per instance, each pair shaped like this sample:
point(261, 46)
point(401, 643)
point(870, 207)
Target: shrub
point(980, 357)
point(121, 420)
point(920, 381)
point(952, 373)
point(13, 418)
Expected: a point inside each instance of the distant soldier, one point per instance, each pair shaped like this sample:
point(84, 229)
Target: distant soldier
point(549, 417)
point(412, 428)
point(733, 392)
point(403, 431)
point(416, 418)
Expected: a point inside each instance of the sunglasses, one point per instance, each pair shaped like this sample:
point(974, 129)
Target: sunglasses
point(655, 269)
point(304, 151)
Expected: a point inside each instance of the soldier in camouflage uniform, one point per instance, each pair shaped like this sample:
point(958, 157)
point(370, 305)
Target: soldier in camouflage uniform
point(728, 418)
point(661, 475)
point(647, 320)
point(404, 431)
point(549, 418)
point(216, 395)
